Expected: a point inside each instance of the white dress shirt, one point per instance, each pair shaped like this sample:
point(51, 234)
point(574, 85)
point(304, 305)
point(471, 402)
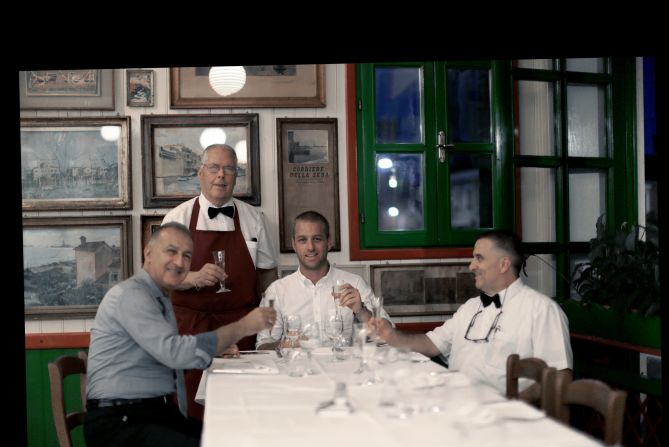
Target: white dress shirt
point(252, 221)
point(297, 295)
point(531, 325)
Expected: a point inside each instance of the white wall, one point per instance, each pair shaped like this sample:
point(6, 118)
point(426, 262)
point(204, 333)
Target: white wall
point(335, 108)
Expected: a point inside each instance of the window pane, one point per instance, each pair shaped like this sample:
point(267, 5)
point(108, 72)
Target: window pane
point(471, 190)
point(398, 98)
point(538, 64)
point(535, 133)
point(400, 191)
point(587, 201)
point(586, 64)
point(468, 106)
point(586, 124)
point(537, 204)
point(541, 274)
point(574, 260)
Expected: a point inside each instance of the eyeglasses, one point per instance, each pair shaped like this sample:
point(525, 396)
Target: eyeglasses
point(214, 168)
point(490, 331)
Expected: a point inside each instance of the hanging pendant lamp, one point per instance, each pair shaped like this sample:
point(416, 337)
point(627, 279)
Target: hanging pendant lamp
point(227, 80)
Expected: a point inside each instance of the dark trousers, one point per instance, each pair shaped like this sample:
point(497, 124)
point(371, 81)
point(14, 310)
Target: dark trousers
point(140, 425)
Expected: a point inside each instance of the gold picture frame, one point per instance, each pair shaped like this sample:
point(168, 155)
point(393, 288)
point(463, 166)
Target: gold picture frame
point(266, 86)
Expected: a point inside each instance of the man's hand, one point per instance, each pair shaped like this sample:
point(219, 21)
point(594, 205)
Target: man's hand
point(231, 352)
point(381, 328)
point(209, 275)
point(258, 319)
point(350, 297)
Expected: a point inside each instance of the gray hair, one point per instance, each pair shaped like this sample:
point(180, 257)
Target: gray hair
point(225, 147)
point(174, 225)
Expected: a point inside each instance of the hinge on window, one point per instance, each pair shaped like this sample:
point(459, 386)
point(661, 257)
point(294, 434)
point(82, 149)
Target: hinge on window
point(362, 218)
point(359, 104)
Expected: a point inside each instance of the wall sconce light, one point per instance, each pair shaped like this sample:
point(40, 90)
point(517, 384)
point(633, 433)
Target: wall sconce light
point(227, 80)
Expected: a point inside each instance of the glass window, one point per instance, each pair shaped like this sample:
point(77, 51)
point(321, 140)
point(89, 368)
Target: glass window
point(587, 201)
point(536, 122)
point(586, 64)
point(586, 121)
point(468, 106)
point(400, 191)
point(471, 190)
point(541, 273)
point(398, 93)
point(537, 204)
point(537, 64)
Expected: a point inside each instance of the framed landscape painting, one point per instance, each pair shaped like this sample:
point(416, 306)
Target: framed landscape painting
point(69, 263)
point(172, 147)
point(75, 163)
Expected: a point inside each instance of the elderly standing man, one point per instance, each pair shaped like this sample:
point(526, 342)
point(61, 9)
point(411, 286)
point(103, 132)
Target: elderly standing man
point(136, 356)
point(218, 221)
point(481, 335)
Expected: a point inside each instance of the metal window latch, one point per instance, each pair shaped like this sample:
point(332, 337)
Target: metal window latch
point(442, 146)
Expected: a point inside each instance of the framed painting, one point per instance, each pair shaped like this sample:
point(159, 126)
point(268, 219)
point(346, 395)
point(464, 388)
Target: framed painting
point(139, 88)
point(172, 147)
point(149, 224)
point(69, 263)
point(308, 174)
point(423, 289)
point(75, 163)
point(66, 89)
point(266, 86)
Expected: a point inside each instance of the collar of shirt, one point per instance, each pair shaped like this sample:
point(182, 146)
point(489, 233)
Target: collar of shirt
point(205, 204)
point(327, 280)
point(511, 291)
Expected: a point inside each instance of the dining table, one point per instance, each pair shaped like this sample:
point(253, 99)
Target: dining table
point(388, 398)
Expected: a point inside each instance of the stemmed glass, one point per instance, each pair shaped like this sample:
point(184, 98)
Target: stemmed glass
point(219, 260)
point(334, 327)
point(310, 340)
point(336, 293)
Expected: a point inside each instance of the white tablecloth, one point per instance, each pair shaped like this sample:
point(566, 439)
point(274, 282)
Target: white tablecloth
point(279, 410)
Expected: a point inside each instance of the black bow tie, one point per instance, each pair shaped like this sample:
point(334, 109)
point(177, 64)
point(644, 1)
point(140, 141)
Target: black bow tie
point(227, 210)
point(486, 300)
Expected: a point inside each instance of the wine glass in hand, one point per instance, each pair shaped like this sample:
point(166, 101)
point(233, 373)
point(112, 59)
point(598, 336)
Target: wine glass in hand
point(219, 260)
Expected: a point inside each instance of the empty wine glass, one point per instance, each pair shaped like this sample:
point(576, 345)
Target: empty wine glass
point(310, 340)
point(219, 260)
point(334, 327)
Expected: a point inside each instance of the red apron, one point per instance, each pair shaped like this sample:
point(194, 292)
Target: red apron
point(205, 310)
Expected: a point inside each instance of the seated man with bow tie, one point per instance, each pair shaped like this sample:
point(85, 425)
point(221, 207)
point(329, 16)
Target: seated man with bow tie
point(218, 221)
point(508, 318)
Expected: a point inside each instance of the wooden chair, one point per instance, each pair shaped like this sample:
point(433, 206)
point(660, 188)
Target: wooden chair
point(596, 395)
point(60, 368)
point(542, 393)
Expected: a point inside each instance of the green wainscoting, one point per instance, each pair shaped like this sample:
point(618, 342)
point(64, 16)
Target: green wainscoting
point(41, 432)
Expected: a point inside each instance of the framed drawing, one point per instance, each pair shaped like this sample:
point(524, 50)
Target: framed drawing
point(69, 263)
point(66, 89)
point(75, 163)
point(172, 148)
point(308, 174)
point(149, 225)
point(139, 88)
point(266, 86)
point(423, 289)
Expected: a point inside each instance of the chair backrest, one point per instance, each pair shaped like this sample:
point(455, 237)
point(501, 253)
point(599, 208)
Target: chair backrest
point(60, 368)
point(541, 394)
point(596, 395)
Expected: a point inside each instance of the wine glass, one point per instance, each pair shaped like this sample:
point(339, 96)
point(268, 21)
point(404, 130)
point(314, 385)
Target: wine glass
point(336, 293)
point(219, 260)
point(334, 327)
point(310, 340)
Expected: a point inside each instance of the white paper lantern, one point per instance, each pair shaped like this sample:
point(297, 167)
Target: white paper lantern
point(227, 80)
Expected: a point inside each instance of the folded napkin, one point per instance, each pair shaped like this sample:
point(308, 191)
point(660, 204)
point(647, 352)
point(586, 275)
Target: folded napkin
point(256, 365)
